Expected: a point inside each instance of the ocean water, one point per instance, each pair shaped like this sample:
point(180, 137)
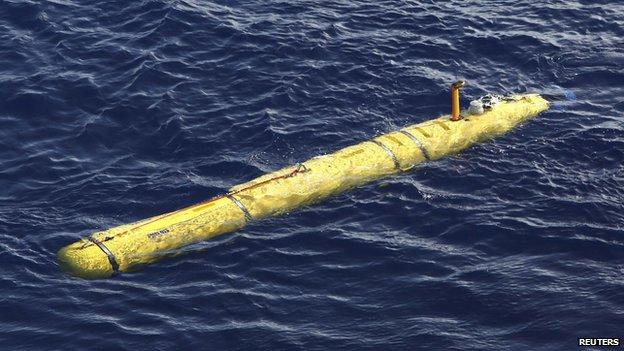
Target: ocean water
point(113, 111)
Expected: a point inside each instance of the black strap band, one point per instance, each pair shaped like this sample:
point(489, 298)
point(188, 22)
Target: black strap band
point(240, 205)
point(418, 143)
point(397, 164)
point(109, 254)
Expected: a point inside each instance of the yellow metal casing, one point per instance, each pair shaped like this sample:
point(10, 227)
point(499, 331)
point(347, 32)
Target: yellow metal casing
point(143, 242)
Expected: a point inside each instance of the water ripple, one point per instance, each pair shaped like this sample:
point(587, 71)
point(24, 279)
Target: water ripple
point(113, 112)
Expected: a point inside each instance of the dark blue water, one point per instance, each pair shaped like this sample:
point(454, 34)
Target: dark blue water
point(113, 111)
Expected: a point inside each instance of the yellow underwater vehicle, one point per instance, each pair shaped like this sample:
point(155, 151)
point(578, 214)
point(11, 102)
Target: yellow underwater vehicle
point(121, 248)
